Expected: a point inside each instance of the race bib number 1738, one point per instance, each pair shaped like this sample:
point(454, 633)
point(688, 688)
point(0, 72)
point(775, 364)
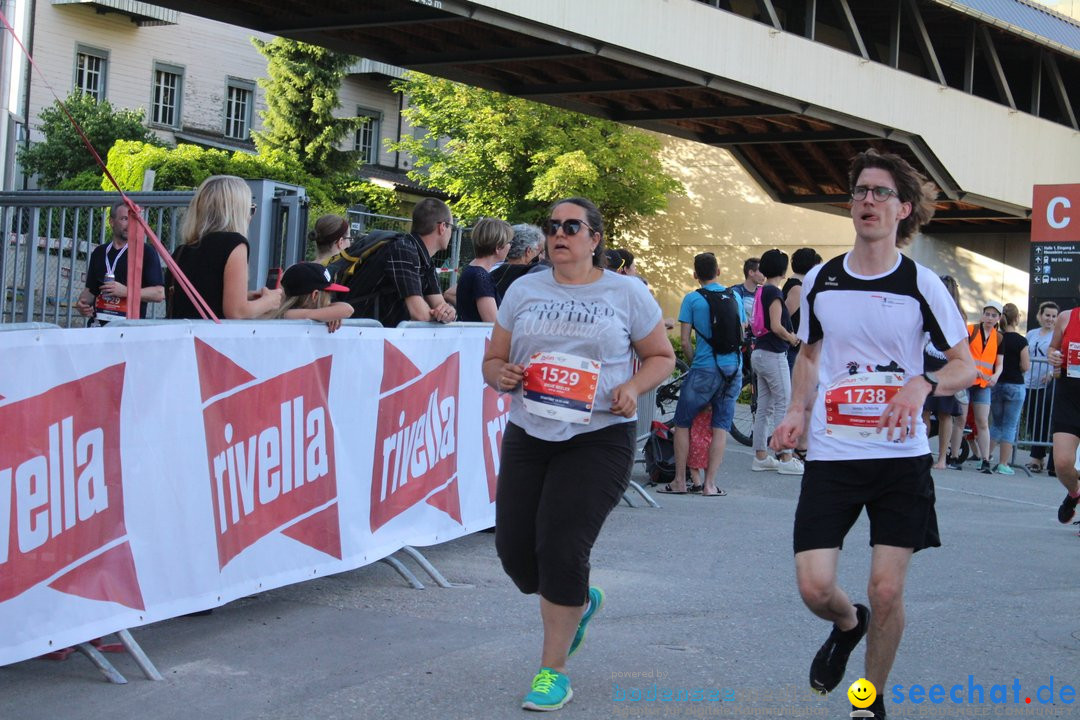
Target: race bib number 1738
point(854, 404)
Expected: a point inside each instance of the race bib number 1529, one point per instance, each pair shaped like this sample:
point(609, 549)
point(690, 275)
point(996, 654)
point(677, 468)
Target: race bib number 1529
point(560, 386)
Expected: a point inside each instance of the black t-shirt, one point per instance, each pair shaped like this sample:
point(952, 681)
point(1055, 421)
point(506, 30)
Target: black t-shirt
point(204, 265)
point(771, 341)
point(475, 283)
point(788, 284)
point(1011, 347)
point(505, 274)
point(95, 269)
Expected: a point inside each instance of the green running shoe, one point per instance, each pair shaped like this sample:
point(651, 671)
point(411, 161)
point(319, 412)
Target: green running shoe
point(550, 691)
point(596, 601)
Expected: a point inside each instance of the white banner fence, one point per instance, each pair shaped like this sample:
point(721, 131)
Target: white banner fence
point(152, 470)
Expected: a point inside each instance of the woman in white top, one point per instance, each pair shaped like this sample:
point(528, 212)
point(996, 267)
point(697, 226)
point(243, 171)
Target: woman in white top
point(563, 345)
point(1040, 387)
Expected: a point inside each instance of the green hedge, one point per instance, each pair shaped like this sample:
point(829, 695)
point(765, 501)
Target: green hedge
point(184, 167)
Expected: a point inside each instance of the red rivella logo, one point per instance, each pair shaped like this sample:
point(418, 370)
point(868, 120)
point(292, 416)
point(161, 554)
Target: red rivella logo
point(415, 439)
point(271, 454)
point(61, 493)
point(496, 413)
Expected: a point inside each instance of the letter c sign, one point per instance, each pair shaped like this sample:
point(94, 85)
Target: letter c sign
point(1053, 210)
point(1052, 213)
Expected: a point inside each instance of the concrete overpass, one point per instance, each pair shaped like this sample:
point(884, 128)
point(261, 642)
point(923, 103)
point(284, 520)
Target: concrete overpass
point(982, 95)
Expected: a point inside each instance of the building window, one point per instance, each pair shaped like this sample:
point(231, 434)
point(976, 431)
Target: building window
point(239, 99)
point(168, 91)
point(91, 68)
point(368, 137)
point(420, 133)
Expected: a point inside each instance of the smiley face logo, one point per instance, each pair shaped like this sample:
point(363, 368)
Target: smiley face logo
point(862, 693)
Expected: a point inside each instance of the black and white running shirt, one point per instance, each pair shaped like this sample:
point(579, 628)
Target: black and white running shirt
point(872, 330)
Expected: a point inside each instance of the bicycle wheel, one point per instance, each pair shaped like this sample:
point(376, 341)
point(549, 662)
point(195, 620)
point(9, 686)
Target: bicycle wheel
point(667, 395)
point(965, 450)
point(742, 424)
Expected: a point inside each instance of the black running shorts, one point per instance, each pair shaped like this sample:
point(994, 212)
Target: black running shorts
point(1066, 407)
point(898, 494)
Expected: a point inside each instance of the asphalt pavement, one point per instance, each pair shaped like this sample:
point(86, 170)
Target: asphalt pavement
point(701, 603)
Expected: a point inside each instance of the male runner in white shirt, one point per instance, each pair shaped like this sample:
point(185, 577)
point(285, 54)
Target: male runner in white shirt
point(859, 381)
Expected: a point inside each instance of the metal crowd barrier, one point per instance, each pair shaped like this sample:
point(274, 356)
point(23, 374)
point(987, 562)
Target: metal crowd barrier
point(1036, 417)
point(46, 237)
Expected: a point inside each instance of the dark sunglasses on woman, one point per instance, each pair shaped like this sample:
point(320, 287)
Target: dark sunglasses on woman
point(569, 227)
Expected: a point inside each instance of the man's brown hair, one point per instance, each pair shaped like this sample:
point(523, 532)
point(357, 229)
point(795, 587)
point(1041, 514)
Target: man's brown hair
point(912, 186)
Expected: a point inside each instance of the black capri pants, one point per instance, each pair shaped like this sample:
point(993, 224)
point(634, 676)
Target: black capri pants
point(551, 501)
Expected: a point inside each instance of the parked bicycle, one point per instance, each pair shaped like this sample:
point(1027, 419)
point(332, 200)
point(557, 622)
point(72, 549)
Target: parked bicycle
point(742, 424)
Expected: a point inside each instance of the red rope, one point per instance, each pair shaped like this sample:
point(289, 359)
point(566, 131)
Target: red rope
point(133, 210)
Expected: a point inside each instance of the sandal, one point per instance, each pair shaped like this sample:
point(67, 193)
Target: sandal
point(695, 488)
point(667, 490)
point(1034, 467)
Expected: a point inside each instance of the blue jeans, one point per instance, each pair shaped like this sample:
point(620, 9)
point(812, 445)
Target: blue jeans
point(979, 395)
point(705, 386)
point(1006, 402)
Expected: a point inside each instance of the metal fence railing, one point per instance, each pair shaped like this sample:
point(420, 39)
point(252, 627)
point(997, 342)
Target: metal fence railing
point(449, 261)
point(47, 237)
point(1036, 417)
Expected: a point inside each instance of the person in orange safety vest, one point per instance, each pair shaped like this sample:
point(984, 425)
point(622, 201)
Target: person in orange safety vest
point(984, 339)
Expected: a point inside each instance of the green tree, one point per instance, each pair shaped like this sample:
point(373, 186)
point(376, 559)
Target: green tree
point(301, 96)
point(61, 160)
point(511, 158)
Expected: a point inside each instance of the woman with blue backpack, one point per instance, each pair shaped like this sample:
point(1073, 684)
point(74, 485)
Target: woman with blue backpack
point(771, 325)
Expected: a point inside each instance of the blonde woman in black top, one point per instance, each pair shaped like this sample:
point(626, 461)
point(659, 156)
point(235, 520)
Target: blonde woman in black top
point(214, 254)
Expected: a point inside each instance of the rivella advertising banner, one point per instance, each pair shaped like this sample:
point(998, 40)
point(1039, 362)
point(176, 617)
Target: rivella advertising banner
point(148, 471)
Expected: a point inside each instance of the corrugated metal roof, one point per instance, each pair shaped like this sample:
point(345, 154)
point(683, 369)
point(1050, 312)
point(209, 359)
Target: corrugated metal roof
point(142, 12)
point(1037, 22)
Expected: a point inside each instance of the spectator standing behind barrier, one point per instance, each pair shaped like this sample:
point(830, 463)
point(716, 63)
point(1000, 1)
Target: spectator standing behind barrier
point(746, 290)
point(526, 249)
point(1064, 357)
point(214, 253)
point(563, 345)
point(477, 298)
point(105, 296)
point(802, 260)
point(330, 235)
point(1007, 395)
point(945, 407)
point(985, 339)
point(771, 368)
point(622, 262)
point(713, 381)
point(1040, 386)
point(406, 287)
point(307, 288)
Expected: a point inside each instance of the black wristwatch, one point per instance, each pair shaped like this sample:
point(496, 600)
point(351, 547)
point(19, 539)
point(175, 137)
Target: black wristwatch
point(932, 379)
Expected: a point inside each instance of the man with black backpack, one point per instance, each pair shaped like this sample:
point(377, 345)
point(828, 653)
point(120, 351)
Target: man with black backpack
point(391, 276)
point(716, 316)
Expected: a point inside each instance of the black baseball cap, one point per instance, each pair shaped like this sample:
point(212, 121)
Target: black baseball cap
point(307, 277)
